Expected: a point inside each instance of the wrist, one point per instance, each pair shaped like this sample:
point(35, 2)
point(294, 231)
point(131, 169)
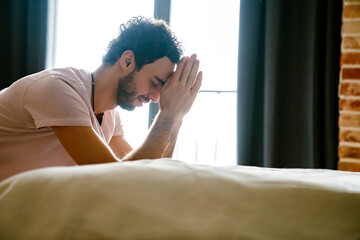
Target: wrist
point(168, 119)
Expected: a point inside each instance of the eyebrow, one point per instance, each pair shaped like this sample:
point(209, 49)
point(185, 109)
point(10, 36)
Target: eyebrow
point(162, 82)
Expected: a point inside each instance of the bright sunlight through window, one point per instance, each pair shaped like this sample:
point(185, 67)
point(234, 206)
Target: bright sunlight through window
point(210, 29)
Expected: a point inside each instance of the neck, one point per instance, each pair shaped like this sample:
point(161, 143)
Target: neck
point(105, 86)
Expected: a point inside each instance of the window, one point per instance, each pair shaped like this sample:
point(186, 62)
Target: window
point(208, 134)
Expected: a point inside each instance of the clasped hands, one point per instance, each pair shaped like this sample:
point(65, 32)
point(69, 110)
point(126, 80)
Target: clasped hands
point(181, 89)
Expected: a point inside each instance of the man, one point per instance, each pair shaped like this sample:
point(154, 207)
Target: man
point(66, 117)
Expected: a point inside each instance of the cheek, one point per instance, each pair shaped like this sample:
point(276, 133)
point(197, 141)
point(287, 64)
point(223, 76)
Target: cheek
point(137, 85)
point(143, 87)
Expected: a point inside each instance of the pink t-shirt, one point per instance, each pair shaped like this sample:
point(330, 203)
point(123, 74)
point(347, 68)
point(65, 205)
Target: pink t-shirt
point(55, 97)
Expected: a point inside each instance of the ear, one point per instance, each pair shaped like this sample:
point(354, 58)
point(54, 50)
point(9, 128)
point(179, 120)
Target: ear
point(127, 61)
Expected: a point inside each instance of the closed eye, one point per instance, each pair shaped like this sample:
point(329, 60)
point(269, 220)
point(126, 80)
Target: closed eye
point(162, 82)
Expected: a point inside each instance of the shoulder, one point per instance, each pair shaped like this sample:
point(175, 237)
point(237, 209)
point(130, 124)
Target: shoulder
point(57, 80)
point(73, 77)
point(76, 78)
point(62, 86)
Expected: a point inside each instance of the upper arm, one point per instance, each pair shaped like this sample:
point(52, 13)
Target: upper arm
point(84, 145)
point(120, 146)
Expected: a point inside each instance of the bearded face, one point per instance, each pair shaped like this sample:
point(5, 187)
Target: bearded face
point(139, 87)
point(126, 92)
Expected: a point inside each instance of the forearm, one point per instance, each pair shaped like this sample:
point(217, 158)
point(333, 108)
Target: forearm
point(84, 145)
point(168, 153)
point(158, 139)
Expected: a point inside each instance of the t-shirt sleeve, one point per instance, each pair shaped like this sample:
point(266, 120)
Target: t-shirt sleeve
point(53, 102)
point(118, 131)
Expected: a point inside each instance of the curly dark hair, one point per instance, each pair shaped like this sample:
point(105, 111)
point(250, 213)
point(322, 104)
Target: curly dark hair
point(149, 39)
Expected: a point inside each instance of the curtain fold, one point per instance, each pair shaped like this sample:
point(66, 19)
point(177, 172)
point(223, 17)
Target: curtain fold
point(23, 25)
point(289, 54)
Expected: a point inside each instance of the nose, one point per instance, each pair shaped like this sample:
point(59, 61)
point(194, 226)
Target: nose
point(155, 95)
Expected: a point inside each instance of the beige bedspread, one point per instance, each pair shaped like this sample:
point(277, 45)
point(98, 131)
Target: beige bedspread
point(167, 199)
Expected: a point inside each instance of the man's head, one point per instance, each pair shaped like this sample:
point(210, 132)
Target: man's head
point(152, 47)
point(149, 40)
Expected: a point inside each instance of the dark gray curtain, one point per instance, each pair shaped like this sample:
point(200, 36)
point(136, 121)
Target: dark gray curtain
point(23, 25)
point(289, 54)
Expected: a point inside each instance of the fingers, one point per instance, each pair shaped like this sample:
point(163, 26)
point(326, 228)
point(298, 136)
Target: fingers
point(187, 72)
point(180, 68)
point(188, 69)
point(195, 89)
point(193, 73)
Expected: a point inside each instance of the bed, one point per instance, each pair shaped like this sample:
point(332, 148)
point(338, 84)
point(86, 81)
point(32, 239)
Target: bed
point(168, 199)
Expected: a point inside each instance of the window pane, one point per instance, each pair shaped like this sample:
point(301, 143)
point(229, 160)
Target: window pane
point(85, 28)
point(135, 124)
point(208, 132)
point(83, 32)
point(210, 28)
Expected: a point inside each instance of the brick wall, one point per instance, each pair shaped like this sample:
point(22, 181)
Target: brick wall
point(349, 88)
